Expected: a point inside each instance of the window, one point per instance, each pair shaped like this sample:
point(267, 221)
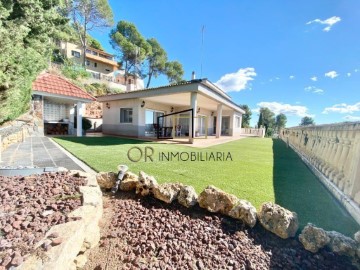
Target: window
point(95, 64)
point(126, 115)
point(237, 121)
point(75, 54)
point(87, 62)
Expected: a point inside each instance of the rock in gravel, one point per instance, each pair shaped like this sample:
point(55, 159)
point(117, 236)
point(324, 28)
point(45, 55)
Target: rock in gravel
point(342, 244)
point(53, 235)
point(244, 211)
point(129, 181)
point(215, 200)
point(313, 238)
point(357, 237)
point(106, 179)
point(17, 260)
point(278, 220)
point(56, 241)
point(80, 261)
point(146, 184)
point(187, 196)
point(166, 192)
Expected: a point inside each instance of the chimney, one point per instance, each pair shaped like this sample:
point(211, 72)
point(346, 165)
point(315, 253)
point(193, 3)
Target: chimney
point(193, 77)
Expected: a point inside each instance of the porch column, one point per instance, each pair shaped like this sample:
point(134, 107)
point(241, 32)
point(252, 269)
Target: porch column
point(79, 119)
point(193, 105)
point(71, 120)
point(218, 120)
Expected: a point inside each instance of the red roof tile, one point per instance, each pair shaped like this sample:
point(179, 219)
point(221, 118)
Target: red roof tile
point(53, 84)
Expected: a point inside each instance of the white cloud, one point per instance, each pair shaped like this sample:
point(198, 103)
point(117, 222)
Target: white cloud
point(291, 77)
point(331, 74)
point(277, 108)
point(313, 78)
point(329, 22)
point(237, 81)
point(351, 118)
point(314, 90)
point(356, 70)
point(348, 74)
point(343, 108)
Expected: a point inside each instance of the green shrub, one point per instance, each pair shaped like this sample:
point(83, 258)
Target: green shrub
point(74, 71)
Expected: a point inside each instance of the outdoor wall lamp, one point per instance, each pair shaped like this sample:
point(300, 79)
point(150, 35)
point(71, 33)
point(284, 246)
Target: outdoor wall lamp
point(143, 104)
point(172, 109)
point(108, 105)
point(198, 110)
point(212, 113)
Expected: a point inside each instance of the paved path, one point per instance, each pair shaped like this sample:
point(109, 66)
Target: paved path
point(38, 152)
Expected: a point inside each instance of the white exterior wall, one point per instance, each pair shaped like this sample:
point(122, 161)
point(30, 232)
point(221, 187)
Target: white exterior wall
point(111, 118)
point(236, 130)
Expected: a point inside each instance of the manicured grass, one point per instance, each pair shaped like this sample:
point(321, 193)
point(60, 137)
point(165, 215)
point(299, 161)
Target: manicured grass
point(261, 170)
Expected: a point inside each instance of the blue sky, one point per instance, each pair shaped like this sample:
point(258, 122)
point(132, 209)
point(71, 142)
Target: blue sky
point(301, 58)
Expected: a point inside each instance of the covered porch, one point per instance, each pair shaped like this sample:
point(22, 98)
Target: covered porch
point(196, 109)
point(59, 104)
point(187, 115)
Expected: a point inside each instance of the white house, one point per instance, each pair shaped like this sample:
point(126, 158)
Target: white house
point(196, 108)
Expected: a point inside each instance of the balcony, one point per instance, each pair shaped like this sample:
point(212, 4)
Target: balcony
point(101, 56)
point(102, 77)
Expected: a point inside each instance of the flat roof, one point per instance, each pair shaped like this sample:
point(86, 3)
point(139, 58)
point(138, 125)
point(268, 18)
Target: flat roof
point(203, 86)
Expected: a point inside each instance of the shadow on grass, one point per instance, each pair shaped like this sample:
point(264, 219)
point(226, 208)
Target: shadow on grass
point(101, 141)
point(298, 189)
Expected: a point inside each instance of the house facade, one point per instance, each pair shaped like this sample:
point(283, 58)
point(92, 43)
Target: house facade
point(101, 65)
point(59, 103)
point(196, 108)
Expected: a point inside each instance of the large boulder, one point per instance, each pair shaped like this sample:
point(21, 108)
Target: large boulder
point(313, 238)
point(216, 200)
point(146, 184)
point(129, 181)
point(244, 211)
point(106, 179)
point(278, 220)
point(187, 196)
point(342, 244)
point(167, 192)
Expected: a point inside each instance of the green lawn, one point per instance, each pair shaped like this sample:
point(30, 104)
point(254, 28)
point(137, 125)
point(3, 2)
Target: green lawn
point(261, 170)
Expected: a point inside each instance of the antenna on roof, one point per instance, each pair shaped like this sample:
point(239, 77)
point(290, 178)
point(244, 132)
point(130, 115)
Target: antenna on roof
point(202, 49)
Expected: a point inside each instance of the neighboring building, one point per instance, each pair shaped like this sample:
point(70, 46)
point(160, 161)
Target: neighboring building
point(93, 112)
point(58, 102)
point(143, 113)
point(101, 65)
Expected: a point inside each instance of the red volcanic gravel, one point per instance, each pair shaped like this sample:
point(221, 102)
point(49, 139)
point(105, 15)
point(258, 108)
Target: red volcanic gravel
point(144, 233)
point(29, 206)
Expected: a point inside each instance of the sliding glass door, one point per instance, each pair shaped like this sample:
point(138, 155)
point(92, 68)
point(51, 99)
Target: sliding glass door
point(151, 122)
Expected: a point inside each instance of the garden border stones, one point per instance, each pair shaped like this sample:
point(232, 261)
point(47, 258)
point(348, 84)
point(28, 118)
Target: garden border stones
point(71, 241)
point(271, 216)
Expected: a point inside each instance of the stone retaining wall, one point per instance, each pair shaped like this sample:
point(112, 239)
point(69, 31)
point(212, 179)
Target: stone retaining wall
point(333, 153)
point(78, 236)
point(16, 131)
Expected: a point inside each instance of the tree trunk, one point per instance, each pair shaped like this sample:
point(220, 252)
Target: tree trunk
point(149, 80)
point(84, 47)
